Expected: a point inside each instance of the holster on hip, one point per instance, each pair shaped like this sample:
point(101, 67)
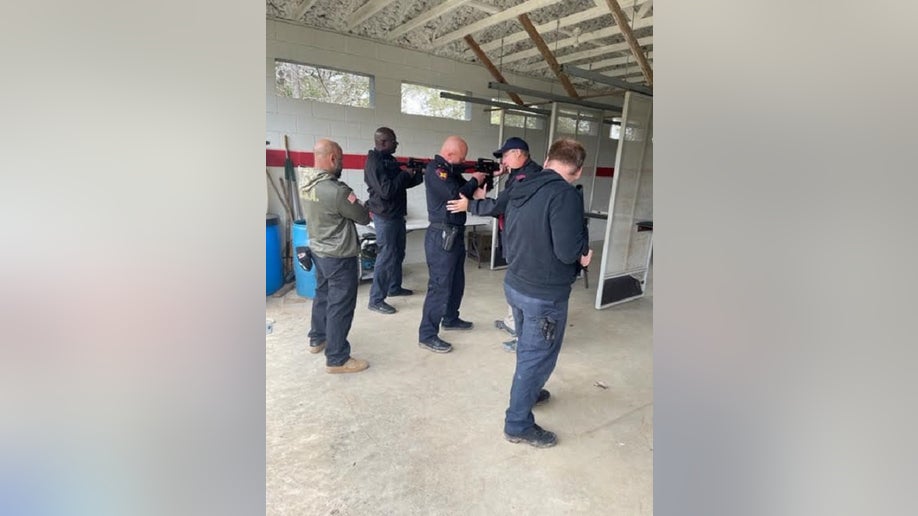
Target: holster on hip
point(449, 237)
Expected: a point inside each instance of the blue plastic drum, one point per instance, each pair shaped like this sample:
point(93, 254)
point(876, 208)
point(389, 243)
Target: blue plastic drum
point(274, 265)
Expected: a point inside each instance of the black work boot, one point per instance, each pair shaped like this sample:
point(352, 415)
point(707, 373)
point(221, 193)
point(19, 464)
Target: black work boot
point(383, 308)
point(458, 324)
point(436, 344)
point(535, 436)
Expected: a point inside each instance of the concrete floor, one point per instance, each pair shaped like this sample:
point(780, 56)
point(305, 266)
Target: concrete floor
point(422, 433)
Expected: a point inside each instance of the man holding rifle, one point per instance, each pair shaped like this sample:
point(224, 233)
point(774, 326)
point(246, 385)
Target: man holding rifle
point(387, 185)
point(444, 244)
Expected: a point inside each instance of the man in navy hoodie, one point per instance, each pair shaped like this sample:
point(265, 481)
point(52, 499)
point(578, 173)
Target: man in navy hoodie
point(545, 241)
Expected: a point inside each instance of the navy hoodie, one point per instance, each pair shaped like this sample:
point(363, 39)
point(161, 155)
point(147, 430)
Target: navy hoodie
point(544, 236)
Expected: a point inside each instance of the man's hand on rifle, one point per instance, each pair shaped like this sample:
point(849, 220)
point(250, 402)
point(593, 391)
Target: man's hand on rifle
point(480, 193)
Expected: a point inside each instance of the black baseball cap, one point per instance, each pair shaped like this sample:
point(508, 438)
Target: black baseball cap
point(512, 143)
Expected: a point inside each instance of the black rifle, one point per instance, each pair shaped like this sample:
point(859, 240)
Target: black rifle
point(416, 165)
point(487, 167)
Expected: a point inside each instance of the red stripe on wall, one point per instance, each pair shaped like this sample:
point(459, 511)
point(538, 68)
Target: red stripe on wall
point(277, 158)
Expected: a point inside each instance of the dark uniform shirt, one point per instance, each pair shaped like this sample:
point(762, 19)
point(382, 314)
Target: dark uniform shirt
point(445, 183)
point(387, 184)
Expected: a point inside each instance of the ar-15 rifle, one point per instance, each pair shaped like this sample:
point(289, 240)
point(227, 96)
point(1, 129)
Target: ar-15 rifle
point(416, 165)
point(487, 167)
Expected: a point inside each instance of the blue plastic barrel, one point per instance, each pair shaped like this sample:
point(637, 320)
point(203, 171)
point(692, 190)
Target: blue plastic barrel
point(274, 266)
point(305, 280)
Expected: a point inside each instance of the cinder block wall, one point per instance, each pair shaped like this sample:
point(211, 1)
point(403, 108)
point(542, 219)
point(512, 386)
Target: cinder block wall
point(306, 121)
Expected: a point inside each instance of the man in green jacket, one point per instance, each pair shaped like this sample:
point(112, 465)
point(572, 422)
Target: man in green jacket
point(331, 209)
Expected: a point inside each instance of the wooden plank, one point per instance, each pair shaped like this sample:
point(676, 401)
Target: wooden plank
point(619, 16)
point(567, 21)
point(365, 11)
point(300, 11)
point(506, 14)
point(583, 38)
point(422, 19)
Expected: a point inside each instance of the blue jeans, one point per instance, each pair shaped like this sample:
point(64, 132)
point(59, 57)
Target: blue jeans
point(390, 254)
point(445, 282)
point(540, 327)
point(333, 307)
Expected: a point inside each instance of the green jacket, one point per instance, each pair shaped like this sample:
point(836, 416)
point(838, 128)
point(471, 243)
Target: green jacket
point(330, 217)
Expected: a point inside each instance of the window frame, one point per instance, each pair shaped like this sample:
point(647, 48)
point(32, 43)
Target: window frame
point(371, 83)
point(468, 105)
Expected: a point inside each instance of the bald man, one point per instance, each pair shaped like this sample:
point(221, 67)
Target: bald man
point(444, 244)
point(331, 210)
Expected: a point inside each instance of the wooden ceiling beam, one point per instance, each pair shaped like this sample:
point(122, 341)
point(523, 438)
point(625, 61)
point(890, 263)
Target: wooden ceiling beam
point(615, 61)
point(365, 11)
point(488, 8)
point(494, 19)
point(622, 23)
point(568, 42)
point(573, 19)
point(424, 18)
point(567, 21)
point(499, 77)
point(592, 53)
point(300, 11)
point(644, 10)
point(549, 57)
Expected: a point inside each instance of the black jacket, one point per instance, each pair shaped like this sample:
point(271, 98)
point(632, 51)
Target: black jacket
point(494, 207)
point(387, 185)
point(444, 183)
point(544, 236)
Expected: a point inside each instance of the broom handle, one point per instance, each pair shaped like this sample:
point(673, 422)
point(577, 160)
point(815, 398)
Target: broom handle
point(279, 196)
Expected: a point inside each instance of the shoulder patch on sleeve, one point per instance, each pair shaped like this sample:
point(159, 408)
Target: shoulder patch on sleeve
point(442, 174)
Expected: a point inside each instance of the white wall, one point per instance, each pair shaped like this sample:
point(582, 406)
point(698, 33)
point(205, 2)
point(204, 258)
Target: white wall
point(306, 121)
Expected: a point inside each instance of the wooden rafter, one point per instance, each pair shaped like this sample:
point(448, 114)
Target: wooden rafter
point(606, 63)
point(567, 21)
point(365, 11)
point(549, 57)
point(488, 8)
point(422, 19)
point(583, 38)
point(620, 20)
point(594, 52)
point(300, 11)
point(573, 19)
point(644, 10)
point(506, 14)
point(499, 77)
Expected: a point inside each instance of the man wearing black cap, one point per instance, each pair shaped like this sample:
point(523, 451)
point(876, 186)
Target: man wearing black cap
point(515, 160)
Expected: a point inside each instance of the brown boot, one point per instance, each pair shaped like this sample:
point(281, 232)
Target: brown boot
point(316, 347)
point(353, 365)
